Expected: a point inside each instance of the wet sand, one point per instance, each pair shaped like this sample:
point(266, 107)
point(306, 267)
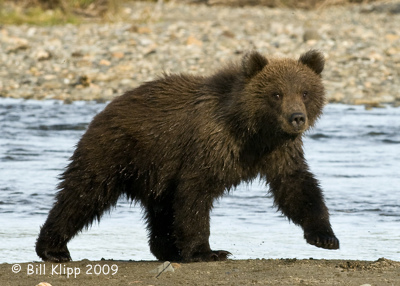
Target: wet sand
point(231, 272)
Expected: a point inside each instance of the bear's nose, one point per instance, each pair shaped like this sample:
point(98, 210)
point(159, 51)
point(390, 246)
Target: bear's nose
point(297, 119)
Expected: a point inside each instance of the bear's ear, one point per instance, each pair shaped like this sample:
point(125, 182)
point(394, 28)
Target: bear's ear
point(252, 64)
point(314, 60)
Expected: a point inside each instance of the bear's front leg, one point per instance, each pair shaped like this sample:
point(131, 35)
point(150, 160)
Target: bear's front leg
point(298, 195)
point(192, 226)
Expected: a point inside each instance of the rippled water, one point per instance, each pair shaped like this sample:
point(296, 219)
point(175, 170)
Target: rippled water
point(355, 154)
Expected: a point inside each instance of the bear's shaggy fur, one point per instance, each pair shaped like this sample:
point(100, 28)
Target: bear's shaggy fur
point(177, 143)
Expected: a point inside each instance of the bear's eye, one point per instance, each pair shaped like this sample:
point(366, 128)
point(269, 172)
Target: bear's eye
point(276, 95)
point(305, 94)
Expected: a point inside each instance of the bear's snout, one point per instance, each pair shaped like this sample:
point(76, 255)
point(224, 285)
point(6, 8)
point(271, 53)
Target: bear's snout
point(297, 120)
point(294, 122)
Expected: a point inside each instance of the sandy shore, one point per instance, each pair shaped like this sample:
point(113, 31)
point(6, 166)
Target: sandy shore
point(231, 272)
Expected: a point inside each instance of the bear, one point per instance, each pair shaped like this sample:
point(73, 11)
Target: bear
point(179, 142)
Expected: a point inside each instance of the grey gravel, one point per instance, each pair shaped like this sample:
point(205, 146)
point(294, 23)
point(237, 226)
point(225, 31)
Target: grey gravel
point(98, 61)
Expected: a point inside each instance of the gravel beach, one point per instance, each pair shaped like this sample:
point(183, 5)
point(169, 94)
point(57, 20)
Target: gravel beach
point(98, 61)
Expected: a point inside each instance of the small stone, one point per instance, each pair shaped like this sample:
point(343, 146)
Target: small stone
point(375, 56)
point(43, 55)
point(108, 92)
point(77, 54)
point(193, 41)
point(140, 29)
point(165, 267)
point(127, 81)
point(367, 102)
point(228, 34)
point(392, 51)
point(18, 44)
point(118, 55)
point(336, 97)
point(52, 84)
point(84, 80)
point(49, 77)
point(43, 284)
point(150, 50)
point(176, 265)
point(83, 63)
point(311, 34)
point(34, 71)
point(392, 37)
point(144, 30)
point(105, 62)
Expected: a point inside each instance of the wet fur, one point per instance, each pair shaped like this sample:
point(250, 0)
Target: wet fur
point(177, 143)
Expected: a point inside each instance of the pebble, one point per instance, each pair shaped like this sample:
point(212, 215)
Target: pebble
point(164, 267)
point(98, 61)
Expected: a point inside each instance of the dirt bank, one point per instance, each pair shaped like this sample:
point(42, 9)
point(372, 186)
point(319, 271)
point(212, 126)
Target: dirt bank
point(231, 272)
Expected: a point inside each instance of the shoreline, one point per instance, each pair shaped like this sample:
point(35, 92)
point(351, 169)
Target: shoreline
point(230, 272)
point(100, 100)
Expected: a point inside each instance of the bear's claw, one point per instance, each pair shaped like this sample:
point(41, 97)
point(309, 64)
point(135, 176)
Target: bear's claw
point(57, 256)
point(53, 254)
point(323, 241)
point(222, 254)
point(216, 255)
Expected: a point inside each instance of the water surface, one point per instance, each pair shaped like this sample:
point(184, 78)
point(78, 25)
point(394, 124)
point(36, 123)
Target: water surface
point(355, 154)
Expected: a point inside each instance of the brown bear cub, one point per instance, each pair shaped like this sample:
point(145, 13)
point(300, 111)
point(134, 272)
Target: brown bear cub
point(177, 143)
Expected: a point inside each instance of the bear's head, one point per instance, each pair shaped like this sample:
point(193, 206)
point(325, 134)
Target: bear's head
point(282, 94)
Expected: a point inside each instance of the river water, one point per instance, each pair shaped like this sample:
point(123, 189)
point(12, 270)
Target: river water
point(355, 153)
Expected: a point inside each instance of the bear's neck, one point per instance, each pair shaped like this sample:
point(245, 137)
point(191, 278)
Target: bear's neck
point(256, 147)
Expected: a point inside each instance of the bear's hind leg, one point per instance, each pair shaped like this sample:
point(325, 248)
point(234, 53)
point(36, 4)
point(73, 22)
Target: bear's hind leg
point(192, 225)
point(159, 217)
point(179, 226)
point(78, 203)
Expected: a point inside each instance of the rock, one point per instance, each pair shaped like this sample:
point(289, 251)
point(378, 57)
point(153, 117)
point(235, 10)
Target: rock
point(176, 265)
point(392, 37)
point(165, 267)
point(118, 55)
point(104, 62)
point(311, 34)
point(43, 284)
point(83, 80)
point(17, 44)
point(193, 41)
point(228, 34)
point(335, 97)
point(140, 29)
point(77, 54)
point(43, 55)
